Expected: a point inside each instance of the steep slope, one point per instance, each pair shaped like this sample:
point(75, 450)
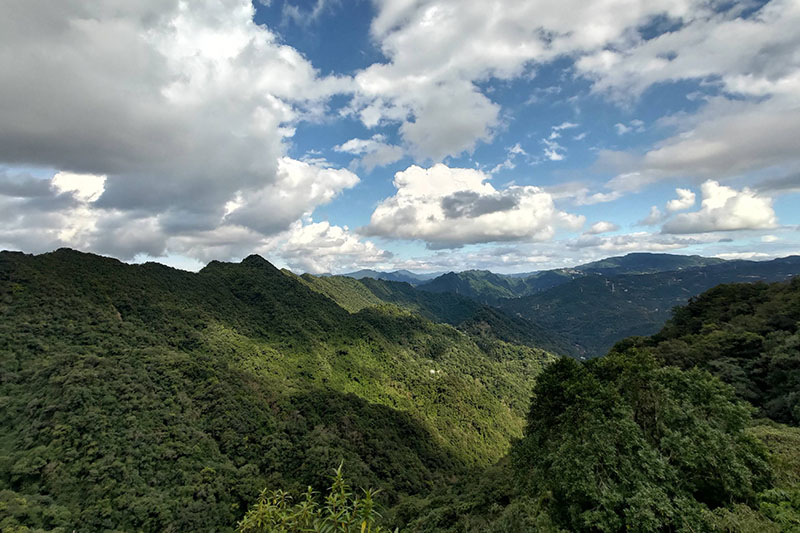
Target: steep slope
point(480, 285)
point(593, 312)
point(647, 439)
point(143, 397)
point(481, 321)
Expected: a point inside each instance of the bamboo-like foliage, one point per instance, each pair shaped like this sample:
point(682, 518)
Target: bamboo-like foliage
point(341, 511)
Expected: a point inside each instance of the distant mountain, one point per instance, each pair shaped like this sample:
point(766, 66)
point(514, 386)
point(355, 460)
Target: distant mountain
point(488, 287)
point(594, 311)
point(646, 263)
point(398, 275)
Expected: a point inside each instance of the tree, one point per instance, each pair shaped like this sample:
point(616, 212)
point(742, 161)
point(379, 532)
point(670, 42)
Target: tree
point(624, 444)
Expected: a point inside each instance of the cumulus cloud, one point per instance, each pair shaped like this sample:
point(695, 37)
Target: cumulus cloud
point(634, 125)
point(631, 242)
point(299, 188)
point(180, 106)
point(655, 217)
point(725, 209)
point(749, 62)
point(601, 227)
point(685, 200)
point(753, 55)
point(321, 247)
point(374, 152)
point(42, 214)
point(168, 121)
point(449, 207)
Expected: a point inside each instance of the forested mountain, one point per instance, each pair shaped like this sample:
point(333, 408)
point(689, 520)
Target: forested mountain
point(745, 334)
point(139, 397)
point(646, 263)
point(592, 312)
point(647, 439)
point(464, 313)
point(488, 287)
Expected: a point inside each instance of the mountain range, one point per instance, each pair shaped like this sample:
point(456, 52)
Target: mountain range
point(585, 309)
point(145, 398)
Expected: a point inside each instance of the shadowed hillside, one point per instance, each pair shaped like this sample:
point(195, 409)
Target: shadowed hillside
point(143, 397)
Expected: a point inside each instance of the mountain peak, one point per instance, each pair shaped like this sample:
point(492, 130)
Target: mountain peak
point(255, 260)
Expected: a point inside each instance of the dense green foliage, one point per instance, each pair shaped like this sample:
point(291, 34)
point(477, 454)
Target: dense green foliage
point(625, 444)
point(632, 442)
point(746, 334)
point(622, 443)
point(143, 397)
point(595, 311)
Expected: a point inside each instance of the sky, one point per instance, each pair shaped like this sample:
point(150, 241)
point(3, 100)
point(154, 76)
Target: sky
point(429, 135)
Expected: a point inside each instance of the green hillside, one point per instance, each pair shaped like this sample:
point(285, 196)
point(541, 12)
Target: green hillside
point(648, 438)
point(748, 335)
point(484, 323)
point(139, 397)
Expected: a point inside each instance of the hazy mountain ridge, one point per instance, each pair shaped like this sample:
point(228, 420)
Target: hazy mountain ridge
point(595, 311)
point(405, 276)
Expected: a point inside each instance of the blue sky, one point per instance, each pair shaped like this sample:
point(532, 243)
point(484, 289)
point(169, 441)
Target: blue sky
point(430, 135)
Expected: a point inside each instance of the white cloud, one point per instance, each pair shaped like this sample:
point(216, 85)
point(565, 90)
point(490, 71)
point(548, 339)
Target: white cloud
point(655, 217)
point(743, 255)
point(601, 227)
point(43, 214)
point(182, 108)
point(685, 200)
point(630, 242)
point(553, 151)
point(374, 152)
point(321, 247)
point(298, 189)
point(725, 209)
point(635, 125)
point(770, 238)
point(449, 207)
point(753, 55)
point(751, 63)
